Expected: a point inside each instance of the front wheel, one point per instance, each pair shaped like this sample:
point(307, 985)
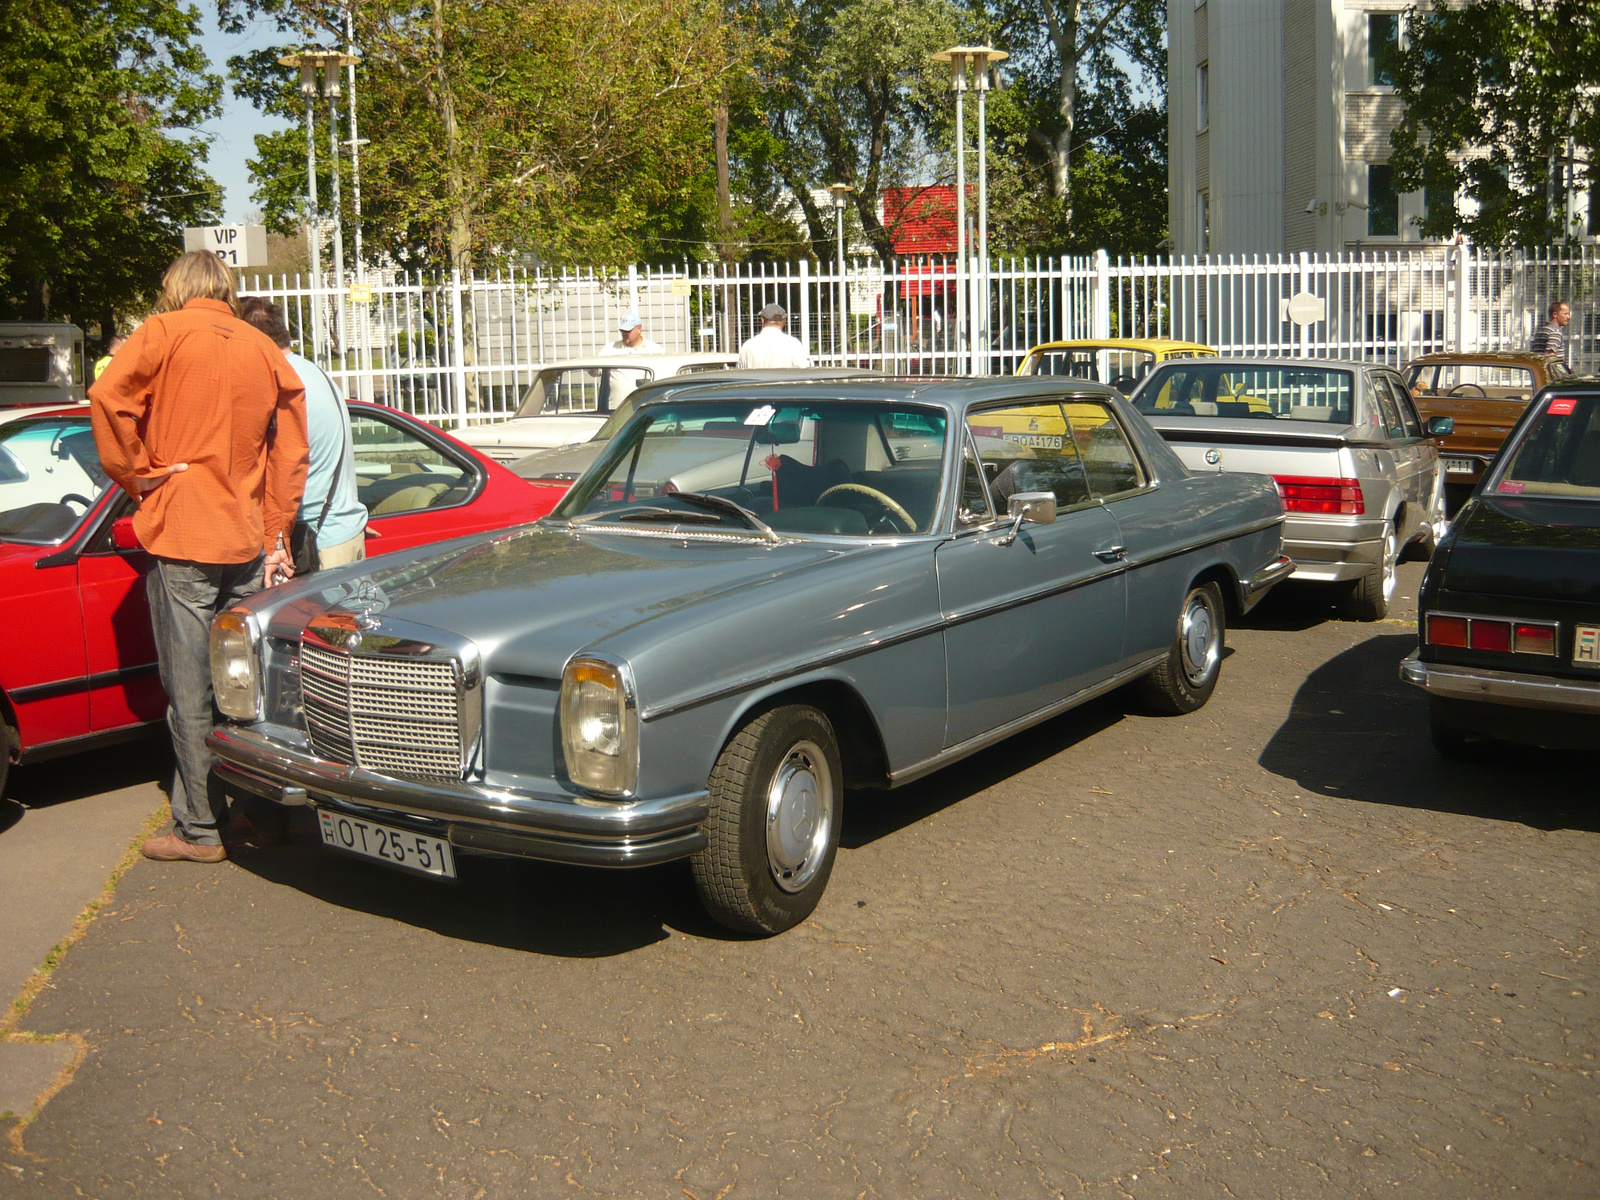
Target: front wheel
point(1368, 597)
point(773, 826)
point(1188, 675)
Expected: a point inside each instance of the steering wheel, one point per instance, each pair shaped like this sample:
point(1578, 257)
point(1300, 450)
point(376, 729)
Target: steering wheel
point(83, 500)
point(1460, 390)
point(887, 507)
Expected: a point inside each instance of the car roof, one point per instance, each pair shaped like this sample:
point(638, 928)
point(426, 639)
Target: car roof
point(1265, 360)
point(638, 360)
point(953, 393)
point(1153, 344)
point(1514, 357)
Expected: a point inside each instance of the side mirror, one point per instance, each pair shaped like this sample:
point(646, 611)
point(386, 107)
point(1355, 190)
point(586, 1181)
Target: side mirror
point(1441, 426)
point(1037, 507)
point(123, 538)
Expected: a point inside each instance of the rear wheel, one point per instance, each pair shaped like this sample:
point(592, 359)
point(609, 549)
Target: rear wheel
point(773, 826)
point(1368, 598)
point(1188, 675)
point(1438, 524)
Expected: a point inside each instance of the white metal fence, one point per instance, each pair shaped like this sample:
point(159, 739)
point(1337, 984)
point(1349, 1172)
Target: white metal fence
point(457, 349)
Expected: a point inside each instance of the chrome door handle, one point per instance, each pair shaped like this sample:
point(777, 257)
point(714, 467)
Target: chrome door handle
point(1111, 554)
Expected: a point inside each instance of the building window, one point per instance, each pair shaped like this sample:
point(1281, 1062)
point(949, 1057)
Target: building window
point(1202, 97)
point(1594, 204)
point(1383, 202)
point(1203, 223)
point(1383, 47)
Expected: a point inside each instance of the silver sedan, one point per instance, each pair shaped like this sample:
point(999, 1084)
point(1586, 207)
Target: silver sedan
point(1357, 468)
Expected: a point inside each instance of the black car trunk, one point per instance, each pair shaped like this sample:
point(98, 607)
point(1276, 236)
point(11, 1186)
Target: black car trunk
point(1536, 548)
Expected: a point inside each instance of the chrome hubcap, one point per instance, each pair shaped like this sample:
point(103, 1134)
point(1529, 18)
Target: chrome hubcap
point(1198, 635)
point(1391, 562)
point(800, 816)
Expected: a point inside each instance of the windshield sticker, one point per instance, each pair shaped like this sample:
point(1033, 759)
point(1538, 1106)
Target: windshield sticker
point(760, 416)
point(1511, 487)
point(1562, 408)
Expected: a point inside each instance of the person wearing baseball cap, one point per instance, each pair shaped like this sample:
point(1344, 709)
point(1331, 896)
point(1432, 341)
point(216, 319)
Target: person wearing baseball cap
point(773, 347)
point(632, 339)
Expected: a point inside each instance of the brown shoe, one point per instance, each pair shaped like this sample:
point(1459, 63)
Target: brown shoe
point(169, 847)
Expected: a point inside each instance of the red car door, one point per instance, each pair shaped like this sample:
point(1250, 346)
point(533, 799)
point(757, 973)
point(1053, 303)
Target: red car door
point(124, 680)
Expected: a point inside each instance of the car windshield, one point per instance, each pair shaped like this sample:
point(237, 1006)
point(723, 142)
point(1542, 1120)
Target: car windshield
point(50, 477)
point(618, 418)
point(594, 390)
point(1213, 388)
point(1471, 381)
point(838, 468)
point(1557, 453)
point(1119, 366)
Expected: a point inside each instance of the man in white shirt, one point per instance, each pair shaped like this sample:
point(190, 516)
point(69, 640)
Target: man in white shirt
point(772, 347)
point(615, 384)
point(632, 339)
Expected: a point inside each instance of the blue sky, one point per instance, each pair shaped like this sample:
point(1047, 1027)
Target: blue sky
point(233, 133)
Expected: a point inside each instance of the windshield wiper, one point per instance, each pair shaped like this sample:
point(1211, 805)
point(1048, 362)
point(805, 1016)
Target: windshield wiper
point(643, 512)
point(722, 504)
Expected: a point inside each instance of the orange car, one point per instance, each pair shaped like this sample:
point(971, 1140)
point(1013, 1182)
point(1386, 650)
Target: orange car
point(1484, 394)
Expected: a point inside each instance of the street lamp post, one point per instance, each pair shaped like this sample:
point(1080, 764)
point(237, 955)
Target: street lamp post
point(980, 58)
point(841, 305)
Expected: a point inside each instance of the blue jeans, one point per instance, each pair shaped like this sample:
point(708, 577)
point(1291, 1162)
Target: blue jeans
point(184, 596)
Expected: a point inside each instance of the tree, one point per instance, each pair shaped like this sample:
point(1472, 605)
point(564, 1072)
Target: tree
point(1066, 47)
point(99, 181)
point(569, 130)
point(848, 95)
point(1495, 94)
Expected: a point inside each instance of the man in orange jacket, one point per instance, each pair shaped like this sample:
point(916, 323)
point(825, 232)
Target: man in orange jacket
point(201, 419)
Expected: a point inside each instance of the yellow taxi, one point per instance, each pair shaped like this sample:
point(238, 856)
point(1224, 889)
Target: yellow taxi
point(1121, 362)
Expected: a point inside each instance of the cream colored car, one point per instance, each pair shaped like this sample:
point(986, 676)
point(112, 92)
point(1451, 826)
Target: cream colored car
point(568, 402)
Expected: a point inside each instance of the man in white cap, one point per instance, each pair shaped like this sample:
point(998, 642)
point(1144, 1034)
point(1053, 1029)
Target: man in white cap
point(633, 340)
point(772, 347)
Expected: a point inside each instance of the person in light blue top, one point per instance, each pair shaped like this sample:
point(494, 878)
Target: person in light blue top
point(341, 537)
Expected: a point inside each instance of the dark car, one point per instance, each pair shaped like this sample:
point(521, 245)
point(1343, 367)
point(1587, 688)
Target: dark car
point(1509, 615)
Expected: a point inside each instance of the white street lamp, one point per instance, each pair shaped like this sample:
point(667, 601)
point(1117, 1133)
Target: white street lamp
point(981, 58)
point(841, 308)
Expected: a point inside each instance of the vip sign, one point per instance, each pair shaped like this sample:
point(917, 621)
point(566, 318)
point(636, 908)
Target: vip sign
point(236, 245)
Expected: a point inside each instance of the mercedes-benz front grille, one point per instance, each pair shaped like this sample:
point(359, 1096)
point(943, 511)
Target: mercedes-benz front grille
point(398, 716)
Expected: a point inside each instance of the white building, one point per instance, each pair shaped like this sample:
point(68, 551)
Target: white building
point(1279, 114)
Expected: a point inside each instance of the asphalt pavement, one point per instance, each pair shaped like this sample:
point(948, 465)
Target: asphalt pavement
point(1274, 948)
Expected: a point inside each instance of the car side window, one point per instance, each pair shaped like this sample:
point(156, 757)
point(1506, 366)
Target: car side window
point(1379, 387)
point(397, 472)
point(976, 507)
point(1408, 410)
point(1108, 459)
point(1029, 448)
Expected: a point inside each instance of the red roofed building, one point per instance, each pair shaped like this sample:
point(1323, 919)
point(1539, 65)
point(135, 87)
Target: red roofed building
point(921, 220)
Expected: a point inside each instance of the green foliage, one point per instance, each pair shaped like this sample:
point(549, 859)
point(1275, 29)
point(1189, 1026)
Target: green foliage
point(1493, 91)
point(99, 180)
point(566, 130)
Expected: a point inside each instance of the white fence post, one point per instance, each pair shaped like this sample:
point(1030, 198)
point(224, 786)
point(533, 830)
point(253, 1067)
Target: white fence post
point(805, 308)
point(1464, 338)
point(1100, 296)
point(633, 287)
point(458, 348)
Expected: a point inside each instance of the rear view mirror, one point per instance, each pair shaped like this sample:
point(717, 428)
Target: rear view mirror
point(123, 537)
point(1037, 507)
point(1441, 426)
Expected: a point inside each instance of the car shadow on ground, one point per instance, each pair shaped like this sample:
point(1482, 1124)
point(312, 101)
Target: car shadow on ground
point(144, 759)
point(540, 908)
point(871, 815)
point(1355, 732)
point(1293, 608)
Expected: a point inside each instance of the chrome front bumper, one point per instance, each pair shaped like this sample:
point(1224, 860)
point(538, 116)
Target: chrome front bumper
point(1502, 687)
point(472, 817)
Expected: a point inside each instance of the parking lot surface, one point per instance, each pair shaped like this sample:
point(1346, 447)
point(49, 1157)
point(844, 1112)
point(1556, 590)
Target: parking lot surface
point(1275, 948)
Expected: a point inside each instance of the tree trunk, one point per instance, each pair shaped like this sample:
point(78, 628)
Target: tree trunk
point(724, 189)
point(1063, 22)
point(460, 234)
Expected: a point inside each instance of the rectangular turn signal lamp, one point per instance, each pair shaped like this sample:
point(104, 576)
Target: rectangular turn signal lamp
point(1319, 494)
point(1498, 636)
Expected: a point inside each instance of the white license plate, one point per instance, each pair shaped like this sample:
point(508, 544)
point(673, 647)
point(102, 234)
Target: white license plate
point(1586, 647)
point(402, 848)
point(1460, 466)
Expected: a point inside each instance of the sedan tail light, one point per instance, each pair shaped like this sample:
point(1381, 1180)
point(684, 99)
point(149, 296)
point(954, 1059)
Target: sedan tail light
point(1321, 494)
point(1497, 635)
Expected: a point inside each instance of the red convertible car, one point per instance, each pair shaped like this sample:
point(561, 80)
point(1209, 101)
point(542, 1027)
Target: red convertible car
point(77, 656)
